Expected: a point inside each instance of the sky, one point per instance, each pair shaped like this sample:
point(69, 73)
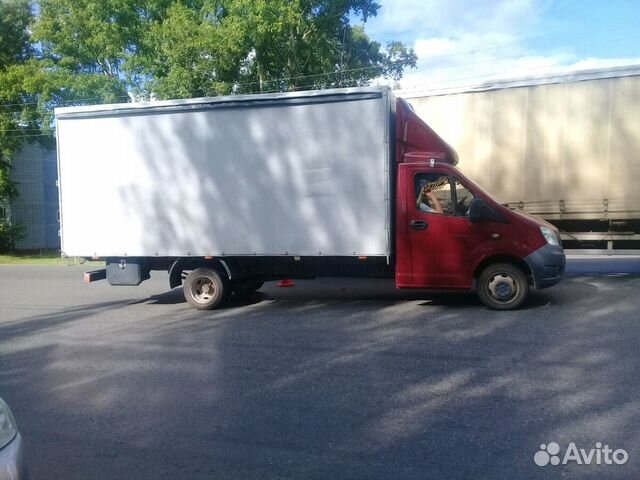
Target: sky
point(470, 42)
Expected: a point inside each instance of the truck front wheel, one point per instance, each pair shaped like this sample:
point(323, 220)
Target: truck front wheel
point(205, 289)
point(502, 286)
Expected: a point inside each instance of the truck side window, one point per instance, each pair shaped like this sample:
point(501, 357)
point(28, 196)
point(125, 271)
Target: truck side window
point(430, 185)
point(463, 199)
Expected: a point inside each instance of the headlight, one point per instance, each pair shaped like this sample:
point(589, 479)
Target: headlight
point(550, 236)
point(8, 428)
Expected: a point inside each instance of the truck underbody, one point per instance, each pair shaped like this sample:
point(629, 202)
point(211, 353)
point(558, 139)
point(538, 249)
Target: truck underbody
point(134, 270)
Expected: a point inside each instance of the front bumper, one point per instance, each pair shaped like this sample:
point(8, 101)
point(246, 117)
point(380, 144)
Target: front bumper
point(547, 265)
point(12, 461)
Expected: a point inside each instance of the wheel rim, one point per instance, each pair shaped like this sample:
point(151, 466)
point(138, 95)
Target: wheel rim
point(502, 288)
point(202, 289)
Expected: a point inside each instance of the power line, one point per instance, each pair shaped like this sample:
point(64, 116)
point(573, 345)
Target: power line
point(322, 74)
point(272, 81)
point(338, 82)
point(22, 129)
point(73, 100)
point(230, 84)
point(302, 77)
point(52, 134)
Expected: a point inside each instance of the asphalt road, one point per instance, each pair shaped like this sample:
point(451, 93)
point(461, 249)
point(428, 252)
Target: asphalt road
point(328, 379)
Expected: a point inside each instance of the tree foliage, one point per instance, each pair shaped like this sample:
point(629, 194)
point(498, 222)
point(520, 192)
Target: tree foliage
point(15, 52)
point(208, 47)
point(83, 47)
point(309, 44)
point(15, 16)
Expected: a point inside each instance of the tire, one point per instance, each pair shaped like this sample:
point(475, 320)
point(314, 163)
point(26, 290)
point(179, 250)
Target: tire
point(502, 286)
point(206, 289)
point(244, 289)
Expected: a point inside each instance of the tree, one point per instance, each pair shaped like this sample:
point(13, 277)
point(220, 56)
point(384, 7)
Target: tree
point(308, 44)
point(84, 46)
point(209, 47)
point(15, 16)
point(15, 51)
point(189, 49)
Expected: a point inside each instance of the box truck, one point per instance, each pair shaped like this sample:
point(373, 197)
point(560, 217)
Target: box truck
point(226, 193)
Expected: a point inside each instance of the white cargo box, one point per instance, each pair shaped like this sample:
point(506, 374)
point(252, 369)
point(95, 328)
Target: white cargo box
point(282, 174)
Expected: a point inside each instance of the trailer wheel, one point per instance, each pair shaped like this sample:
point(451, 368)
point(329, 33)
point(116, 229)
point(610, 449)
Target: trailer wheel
point(502, 286)
point(205, 289)
point(244, 289)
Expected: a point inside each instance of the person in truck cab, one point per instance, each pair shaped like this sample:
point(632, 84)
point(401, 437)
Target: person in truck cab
point(427, 200)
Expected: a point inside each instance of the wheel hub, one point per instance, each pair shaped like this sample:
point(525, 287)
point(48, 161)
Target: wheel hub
point(503, 287)
point(203, 290)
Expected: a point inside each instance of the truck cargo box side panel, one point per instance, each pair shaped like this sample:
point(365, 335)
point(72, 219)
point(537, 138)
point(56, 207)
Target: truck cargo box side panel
point(297, 179)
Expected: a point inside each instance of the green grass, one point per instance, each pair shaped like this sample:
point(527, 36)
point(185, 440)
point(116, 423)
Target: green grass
point(44, 258)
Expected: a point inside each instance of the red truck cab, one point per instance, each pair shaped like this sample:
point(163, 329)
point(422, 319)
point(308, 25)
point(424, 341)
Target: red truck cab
point(450, 234)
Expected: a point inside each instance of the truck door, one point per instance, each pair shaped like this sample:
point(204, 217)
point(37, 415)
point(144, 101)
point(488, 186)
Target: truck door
point(439, 235)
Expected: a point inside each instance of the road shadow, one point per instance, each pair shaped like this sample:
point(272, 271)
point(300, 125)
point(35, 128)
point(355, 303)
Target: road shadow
point(320, 382)
point(349, 290)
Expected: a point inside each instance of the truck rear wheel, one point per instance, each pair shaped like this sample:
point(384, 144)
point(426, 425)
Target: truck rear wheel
point(502, 286)
point(206, 289)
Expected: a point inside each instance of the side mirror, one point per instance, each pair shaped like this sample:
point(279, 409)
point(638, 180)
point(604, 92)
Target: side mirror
point(479, 212)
